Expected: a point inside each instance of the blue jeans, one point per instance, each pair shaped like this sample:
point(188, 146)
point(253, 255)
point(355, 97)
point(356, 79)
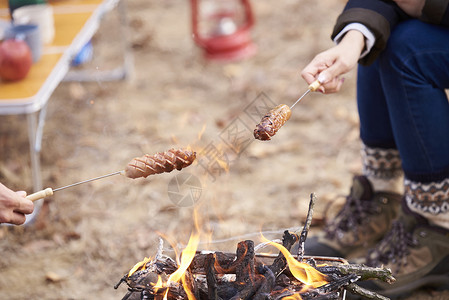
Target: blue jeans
point(402, 102)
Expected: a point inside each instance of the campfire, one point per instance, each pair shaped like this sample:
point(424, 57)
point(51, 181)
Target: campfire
point(250, 274)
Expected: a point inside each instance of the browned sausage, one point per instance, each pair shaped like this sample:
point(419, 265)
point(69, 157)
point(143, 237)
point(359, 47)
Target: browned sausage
point(272, 122)
point(159, 163)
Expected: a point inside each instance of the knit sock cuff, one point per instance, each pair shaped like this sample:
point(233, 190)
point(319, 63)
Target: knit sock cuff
point(430, 198)
point(381, 163)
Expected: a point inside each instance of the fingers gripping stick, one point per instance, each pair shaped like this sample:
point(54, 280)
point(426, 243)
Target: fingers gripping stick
point(41, 194)
point(314, 85)
point(49, 191)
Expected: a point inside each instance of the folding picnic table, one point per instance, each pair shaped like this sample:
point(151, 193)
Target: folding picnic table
point(76, 21)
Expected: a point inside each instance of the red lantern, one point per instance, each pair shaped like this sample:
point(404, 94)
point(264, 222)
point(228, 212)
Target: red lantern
point(222, 28)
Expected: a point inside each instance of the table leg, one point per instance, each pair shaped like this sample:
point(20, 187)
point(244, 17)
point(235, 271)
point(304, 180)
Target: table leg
point(36, 123)
point(125, 71)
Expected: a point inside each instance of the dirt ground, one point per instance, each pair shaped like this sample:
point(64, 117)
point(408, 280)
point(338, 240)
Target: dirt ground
point(87, 237)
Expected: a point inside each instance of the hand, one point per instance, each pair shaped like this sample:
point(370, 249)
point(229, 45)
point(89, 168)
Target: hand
point(411, 7)
point(14, 206)
point(329, 65)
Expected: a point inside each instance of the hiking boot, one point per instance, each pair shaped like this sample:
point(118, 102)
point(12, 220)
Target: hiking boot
point(362, 222)
point(417, 254)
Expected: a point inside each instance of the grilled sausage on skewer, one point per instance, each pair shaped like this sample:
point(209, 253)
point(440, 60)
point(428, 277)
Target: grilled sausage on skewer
point(159, 163)
point(272, 122)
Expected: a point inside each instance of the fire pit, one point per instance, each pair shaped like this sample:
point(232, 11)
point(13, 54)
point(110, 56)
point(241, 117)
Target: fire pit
point(248, 274)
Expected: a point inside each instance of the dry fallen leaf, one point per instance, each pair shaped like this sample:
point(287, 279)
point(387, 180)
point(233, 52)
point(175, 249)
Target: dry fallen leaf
point(53, 277)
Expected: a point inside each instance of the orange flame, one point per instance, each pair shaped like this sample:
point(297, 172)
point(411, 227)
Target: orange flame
point(292, 297)
point(187, 256)
point(218, 154)
point(302, 271)
point(159, 284)
point(200, 134)
point(141, 264)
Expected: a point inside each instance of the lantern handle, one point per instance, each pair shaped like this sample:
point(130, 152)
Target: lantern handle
point(248, 13)
point(196, 36)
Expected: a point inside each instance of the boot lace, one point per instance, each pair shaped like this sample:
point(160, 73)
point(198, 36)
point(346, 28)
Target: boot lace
point(354, 213)
point(394, 247)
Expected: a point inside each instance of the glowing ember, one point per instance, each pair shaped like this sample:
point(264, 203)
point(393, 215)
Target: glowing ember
point(302, 271)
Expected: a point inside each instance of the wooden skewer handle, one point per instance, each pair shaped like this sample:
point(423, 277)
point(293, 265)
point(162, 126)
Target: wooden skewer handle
point(314, 85)
point(41, 194)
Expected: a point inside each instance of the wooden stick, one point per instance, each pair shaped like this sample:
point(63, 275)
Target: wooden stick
point(306, 228)
point(280, 263)
point(267, 285)
point(356, 289)
point(363, 271)
point(211, 279)
point(40, 194)
point(245, 271)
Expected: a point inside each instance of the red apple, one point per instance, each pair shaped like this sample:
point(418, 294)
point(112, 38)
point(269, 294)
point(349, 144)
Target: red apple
point(15, 60)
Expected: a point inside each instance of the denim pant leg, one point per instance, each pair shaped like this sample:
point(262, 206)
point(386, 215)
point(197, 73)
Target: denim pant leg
point(375, 124)
point(402, 101)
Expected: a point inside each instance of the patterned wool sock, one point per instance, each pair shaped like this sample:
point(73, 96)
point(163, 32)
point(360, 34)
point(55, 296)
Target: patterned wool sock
point(430, 200)
point(383, 169)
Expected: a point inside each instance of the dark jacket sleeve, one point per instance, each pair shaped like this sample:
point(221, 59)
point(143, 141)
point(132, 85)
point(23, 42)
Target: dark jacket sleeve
point(436, 12)
point(378, 16)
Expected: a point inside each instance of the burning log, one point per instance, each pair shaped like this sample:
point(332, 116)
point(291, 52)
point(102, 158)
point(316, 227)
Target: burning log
point(269, 281)
point(280, 263)
point(212, 292)
point(217, 278)
point(244, 270)
point(248, 275)
point(225, 263)
point(209, 283)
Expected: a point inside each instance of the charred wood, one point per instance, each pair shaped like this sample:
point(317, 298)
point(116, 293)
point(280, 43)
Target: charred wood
point(267, 284)
point(249, 290)
point(363, 271)
point(228, 290)
point(280, 263)
point(245, 271)
point(335, 285)
point(189, 282)
point(355, 289)
point(224, 263)
point(212, 292)
point(332, 296)
point(306, 228)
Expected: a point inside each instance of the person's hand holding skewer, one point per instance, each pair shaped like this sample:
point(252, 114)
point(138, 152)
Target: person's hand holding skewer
point(322, 74)
point(329, 65)
point(14, 206)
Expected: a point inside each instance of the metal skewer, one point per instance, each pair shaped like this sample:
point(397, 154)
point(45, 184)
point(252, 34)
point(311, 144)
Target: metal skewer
point(89, 180)
point(312, 88)
point(49, 191)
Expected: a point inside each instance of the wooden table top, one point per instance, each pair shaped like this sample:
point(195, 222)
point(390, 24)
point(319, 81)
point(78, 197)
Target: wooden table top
point(71, 18)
